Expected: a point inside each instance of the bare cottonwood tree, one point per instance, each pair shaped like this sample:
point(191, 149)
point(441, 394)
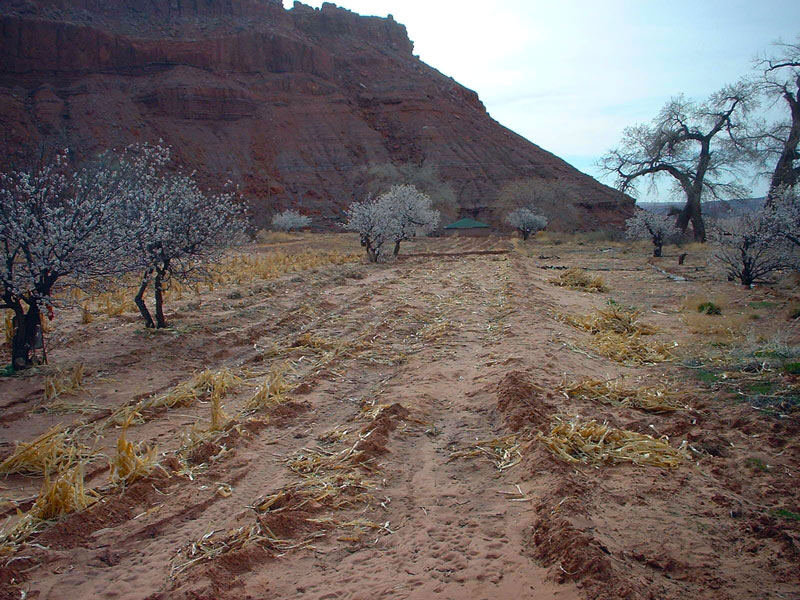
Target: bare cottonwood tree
point(703, 147)
point(780, 80)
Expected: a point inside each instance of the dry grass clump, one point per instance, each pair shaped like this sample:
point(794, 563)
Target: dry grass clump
point(63, 382)
point(50, 452)
point(578, 279)
point(215, 383)
point(504, 452)
point(612, 318)
point(274, 389)
point(632, 349)
point(617, 333)
point(245, 267)
point(616, 392)
point(131, 462)
point(577, 440)
point(64, 494)
point(319, 489)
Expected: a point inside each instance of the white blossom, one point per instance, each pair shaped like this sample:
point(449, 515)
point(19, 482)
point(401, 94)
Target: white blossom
point(290, 219)
point(652, 226)
point(395, 216)
point(749, 247)
point(526, 221)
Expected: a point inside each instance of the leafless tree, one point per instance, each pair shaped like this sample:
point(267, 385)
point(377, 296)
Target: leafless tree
point(649, 225)
point(703, 147)
point(749, 248)
point(544, 196)
point(780, 80)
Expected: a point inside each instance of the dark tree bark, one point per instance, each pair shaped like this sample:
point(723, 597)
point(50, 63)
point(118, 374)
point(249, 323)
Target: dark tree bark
point(27, 327)
point(526, 233)
point(158, 285)
point(786, 174)
point(396, 250)
point(139, 300)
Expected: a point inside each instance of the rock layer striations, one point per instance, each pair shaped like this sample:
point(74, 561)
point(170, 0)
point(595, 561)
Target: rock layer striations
point(290, 104)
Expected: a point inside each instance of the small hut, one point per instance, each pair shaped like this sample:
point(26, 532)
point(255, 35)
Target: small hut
point(468, 227)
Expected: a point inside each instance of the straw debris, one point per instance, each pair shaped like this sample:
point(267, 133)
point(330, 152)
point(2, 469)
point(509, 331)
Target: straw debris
point(503, 452)
point(616, 392)
point(274, 389)
point(63, 382)
point(131, 462)
point(50, 452)
point(578, 279)
point(577, 440)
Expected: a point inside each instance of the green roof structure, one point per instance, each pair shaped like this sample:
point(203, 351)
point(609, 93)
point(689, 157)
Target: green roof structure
point(466, 224)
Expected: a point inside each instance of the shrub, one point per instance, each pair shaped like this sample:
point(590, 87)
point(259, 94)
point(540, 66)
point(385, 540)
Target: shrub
point(290, 219)
point(749, 247)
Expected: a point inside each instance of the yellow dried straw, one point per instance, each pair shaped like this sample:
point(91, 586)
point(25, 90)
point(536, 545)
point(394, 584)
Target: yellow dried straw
point(575, 440)
point(616, 392)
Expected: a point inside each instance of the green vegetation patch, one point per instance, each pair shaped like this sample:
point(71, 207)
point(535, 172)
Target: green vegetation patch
point(762, 304)
point(709, 308)
point(786, 514)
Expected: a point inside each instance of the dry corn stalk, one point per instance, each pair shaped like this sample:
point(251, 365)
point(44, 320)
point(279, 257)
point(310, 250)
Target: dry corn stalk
point(504, 452)
point(574, 440)
point(615, 392)
point(578, 279)
point(612, 318)
point(52, 451)
point(63, 382)
point(273, 390)
point(218, 417)
point(632, 348)
point(131, 463)
point(64, 494)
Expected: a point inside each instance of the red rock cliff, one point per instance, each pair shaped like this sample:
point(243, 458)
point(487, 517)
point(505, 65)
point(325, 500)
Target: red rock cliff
point(290, 103)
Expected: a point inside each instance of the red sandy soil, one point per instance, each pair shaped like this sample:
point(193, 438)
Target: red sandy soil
point(458, 340)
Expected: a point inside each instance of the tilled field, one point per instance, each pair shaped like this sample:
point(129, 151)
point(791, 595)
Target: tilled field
point(418, 430)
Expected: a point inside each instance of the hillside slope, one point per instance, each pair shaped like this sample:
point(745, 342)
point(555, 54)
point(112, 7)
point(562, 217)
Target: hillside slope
point(292, 104)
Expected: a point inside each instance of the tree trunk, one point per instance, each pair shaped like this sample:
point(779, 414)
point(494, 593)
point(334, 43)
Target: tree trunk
point(786, 174)
point(698, 226)
point(396, 250)
point(23, 344)
point(526, 233)
point(139, 300)
point(158, 282)
point(657, 250)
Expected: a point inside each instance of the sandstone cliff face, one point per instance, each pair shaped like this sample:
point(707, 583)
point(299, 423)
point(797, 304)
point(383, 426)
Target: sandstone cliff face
point(292, 104)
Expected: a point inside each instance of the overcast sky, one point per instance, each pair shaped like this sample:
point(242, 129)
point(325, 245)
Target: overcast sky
point(569, 75)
